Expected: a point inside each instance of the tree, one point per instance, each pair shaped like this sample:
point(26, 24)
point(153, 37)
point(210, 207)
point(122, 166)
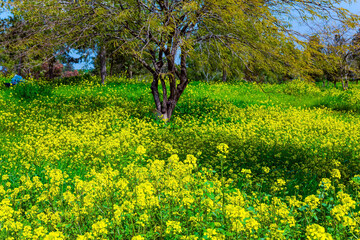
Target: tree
point(341, 52)
point(158, 32)
point(355, 64)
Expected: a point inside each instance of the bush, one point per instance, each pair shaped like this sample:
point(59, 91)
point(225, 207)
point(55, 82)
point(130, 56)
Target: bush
point(342, 100)
point(57, 68)
point(300, 88)
point(30, 90)
point(73, 80)
point(68, 74)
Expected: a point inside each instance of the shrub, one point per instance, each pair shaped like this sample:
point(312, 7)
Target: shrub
point(300, 88)
point(70, 74)
point(57, 68)
point(73, 78)
point(30, 90)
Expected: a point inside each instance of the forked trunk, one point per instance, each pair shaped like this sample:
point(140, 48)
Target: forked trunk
point(167, 112)
point(166, 107)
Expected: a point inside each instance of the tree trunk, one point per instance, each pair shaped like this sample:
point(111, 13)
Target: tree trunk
point(335, 84)
point(155, 92)
point(165, 109)
point(51, 68)
point(103, 64)
point(345, 82)
point(324, 83)
point(224, 76)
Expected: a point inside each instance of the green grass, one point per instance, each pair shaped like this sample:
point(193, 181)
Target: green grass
point(202, 114)
point(299, 132)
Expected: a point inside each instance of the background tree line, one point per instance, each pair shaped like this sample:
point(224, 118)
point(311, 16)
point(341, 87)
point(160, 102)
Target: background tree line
point(175, 41)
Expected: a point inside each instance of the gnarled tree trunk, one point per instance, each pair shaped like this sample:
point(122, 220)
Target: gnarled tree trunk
point(166, 107)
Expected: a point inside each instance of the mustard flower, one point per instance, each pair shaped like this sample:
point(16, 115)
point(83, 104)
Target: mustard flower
point(312, 201)
point(173, 227)
point(99, 228)
point(325, 183)
point(138, 237)
point(335, 173)
point(140, 150)
point(317, 232)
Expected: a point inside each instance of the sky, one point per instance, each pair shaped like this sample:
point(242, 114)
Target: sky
point(298, 26)
point(310, 27)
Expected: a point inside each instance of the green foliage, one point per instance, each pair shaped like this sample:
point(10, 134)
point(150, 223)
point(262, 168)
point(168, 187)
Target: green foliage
point(73, 80)
point(30, 90)
point(342, 100)
point(300, 87)
point(250, 39)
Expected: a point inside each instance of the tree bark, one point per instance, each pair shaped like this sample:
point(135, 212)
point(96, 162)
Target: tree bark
point(224, 76)
point(51, 68)
point(165, 109)
point(155, 92)
point(345, 83)
point(103, 64)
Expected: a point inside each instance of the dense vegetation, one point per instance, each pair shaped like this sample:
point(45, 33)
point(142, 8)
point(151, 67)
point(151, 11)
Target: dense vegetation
point(160, 154)
point(81, 160)
point(177, 40)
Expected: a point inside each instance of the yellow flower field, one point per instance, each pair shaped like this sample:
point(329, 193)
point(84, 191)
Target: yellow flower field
point(85, 161)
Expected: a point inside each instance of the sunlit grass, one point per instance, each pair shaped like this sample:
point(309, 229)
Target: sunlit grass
point(237, 161)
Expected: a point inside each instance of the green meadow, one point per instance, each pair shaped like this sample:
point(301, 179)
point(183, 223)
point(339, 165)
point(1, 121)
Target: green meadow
point(80, 160)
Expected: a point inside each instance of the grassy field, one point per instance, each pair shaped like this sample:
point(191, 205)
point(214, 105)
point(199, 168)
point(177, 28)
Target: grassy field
point(237, 161)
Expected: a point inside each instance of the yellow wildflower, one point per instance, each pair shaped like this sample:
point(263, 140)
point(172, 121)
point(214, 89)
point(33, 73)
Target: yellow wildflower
point(317, 232)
